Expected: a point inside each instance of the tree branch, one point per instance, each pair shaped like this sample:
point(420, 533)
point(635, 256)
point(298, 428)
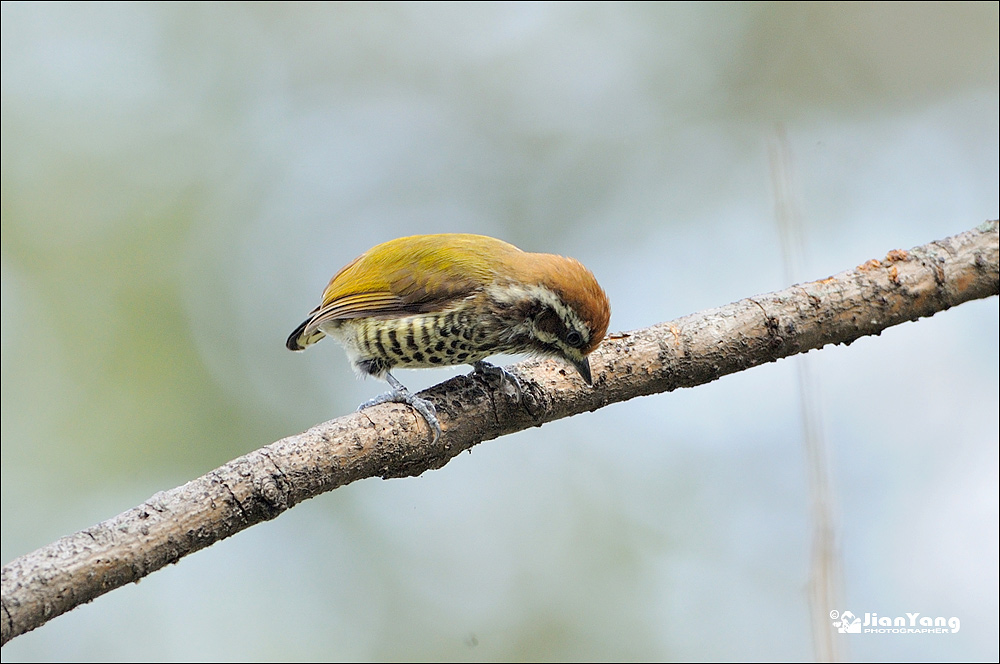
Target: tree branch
point(391, 441)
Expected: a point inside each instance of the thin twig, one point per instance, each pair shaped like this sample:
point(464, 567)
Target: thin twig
point(825, 584)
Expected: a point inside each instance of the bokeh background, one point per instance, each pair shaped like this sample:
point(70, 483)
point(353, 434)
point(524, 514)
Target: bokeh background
point(179, 181)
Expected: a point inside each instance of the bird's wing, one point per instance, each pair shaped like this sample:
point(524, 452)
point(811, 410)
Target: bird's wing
point(409, 276)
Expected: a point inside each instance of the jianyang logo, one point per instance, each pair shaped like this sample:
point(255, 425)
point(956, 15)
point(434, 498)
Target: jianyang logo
point(847, 622)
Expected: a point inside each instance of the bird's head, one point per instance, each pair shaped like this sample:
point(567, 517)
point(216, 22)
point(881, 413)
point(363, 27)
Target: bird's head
point(563, 311)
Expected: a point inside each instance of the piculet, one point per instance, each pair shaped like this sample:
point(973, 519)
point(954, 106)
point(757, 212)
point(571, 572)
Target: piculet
point(440, 300)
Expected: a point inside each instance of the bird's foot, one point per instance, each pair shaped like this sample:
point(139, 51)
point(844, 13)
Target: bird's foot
point(508, 383)
point(399, 394)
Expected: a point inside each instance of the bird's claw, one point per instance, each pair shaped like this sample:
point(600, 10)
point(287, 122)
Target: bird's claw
point(400, 394)
point(508, 383)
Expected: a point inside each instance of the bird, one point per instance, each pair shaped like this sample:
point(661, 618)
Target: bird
point(441, 300)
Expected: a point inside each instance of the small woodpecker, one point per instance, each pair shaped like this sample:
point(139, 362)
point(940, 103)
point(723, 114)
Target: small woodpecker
point(440, 300)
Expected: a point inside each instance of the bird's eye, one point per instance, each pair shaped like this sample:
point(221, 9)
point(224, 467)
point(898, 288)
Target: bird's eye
point(574, 339)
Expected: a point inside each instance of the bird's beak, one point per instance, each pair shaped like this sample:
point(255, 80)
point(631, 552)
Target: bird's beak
point(583, 366)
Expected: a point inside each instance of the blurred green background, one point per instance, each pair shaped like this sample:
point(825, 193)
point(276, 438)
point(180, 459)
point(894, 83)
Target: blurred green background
point(179, 181)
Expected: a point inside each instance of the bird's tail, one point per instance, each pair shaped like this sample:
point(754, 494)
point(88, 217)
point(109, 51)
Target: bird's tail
point(304, 335)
